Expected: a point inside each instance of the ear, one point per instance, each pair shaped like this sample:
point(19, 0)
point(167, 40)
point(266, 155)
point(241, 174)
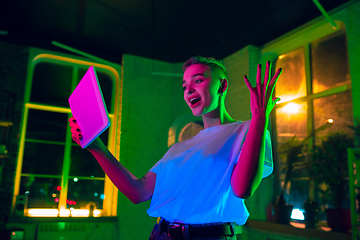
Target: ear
point(223, 85)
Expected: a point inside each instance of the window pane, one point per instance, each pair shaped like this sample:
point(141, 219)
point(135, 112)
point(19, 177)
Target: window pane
point(106, 85)
point(330, 64)
point(40, 158)
point(41, 192)
point(84, 192)
point(292, 82)
point(105, 136)
point(337, 107)
point(171, 137)
point(291, 121)
point(51, 84)
point(48, 126)
point(83, 164)
point(189, 131)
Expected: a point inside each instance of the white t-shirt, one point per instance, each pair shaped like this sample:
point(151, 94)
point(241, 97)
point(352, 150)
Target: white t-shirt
point(193, 177)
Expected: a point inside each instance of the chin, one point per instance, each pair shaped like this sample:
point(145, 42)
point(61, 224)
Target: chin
point(196, 112)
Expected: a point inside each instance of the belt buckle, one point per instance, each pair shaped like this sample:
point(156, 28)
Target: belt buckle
point(172, 227)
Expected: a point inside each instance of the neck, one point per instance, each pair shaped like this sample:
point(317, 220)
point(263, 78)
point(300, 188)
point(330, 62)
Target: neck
point(217, 117)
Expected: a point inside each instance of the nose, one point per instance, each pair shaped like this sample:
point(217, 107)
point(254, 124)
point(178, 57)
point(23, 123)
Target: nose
point(190, 89)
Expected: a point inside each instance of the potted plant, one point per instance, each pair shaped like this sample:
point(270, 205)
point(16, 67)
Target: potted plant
point(330, 169)
point(311, 213)
point(297, 157)
point(292, 150)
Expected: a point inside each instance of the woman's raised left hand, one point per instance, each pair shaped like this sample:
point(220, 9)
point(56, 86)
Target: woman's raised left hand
point(261, 96)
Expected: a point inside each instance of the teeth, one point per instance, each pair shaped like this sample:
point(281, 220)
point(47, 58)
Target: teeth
point(193, 99)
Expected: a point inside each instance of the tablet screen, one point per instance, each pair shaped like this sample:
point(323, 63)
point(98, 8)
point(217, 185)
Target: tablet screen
point(88, 107)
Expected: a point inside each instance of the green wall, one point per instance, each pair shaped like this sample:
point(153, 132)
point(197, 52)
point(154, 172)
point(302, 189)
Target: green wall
point(151, 103)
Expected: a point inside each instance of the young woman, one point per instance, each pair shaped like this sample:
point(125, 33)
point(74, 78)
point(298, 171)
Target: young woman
point(199, 186)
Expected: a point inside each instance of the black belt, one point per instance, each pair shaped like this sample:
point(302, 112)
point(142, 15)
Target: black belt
point(178, 230)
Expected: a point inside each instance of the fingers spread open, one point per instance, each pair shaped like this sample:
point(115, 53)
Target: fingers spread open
point(258, 75)
point(277, 75)
point(272, 84)
point(267, 73)
point(248, 84)
point(276, 99)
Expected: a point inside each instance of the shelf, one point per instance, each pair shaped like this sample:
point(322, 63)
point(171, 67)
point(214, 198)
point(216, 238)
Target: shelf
point(5, 124)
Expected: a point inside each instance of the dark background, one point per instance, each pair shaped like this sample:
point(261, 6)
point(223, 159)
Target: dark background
point(168, 30)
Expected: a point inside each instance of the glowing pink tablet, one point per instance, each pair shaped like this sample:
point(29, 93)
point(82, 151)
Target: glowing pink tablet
point(88, 107)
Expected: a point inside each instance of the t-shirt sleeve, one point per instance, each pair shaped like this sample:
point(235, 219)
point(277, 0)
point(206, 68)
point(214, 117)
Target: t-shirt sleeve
point(268, 163)
point(157, 167)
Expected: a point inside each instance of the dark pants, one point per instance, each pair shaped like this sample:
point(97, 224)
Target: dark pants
point(157, 234)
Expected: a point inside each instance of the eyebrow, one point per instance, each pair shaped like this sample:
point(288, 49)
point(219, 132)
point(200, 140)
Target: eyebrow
point(195, 75)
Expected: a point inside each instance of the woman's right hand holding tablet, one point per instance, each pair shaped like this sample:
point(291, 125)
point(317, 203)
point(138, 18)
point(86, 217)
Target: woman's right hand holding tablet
point(137, 190)
point(75, 130)
point(76, 135)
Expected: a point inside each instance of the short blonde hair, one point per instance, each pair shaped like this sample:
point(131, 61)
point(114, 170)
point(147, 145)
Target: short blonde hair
point(209, 61)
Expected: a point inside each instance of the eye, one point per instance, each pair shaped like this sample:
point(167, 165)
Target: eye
point(198, 80)
point(184, 88)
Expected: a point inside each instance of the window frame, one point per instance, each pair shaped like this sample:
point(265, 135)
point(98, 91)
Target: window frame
point(178, 125)
point(301, 38)
point(37, 56)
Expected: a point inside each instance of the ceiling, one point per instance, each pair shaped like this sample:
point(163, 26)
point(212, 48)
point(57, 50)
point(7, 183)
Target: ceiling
point(167, 30)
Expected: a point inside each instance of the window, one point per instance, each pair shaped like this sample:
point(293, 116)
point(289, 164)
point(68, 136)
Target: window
point(54, 172)
point(315, 91)
point(183, 128)
point(190, 130)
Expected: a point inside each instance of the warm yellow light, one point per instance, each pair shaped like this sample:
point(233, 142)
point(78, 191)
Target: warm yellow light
point(291, 108)
point(80, 212)
point(326, 229)
point(97, 213)
point(34, 212)
point(53, 195)
point(330, 120)
point(64, 213)
point(297, 225)
point(281, 56)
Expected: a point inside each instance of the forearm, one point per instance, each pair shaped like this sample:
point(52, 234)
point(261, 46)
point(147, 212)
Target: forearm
point(122, 178)
point(247, 174)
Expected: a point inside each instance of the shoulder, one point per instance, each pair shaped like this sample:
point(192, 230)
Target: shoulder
point(238, 125)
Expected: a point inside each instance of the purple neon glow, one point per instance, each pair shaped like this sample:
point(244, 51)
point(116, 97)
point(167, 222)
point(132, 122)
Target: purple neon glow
point(88, 107)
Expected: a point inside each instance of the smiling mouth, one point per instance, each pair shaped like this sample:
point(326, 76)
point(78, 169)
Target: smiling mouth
point(194, 101)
